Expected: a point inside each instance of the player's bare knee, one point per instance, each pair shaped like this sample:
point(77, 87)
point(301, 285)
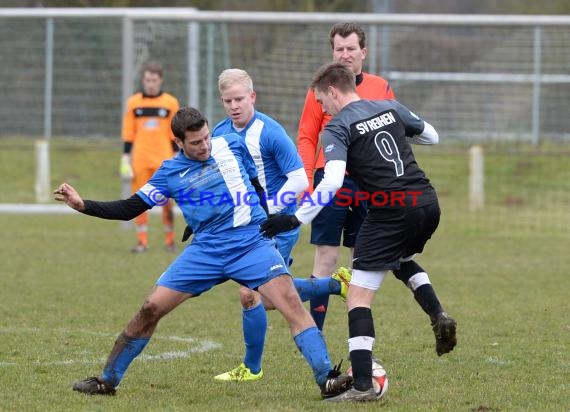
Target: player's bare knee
point(248, 298)
point(150, 311)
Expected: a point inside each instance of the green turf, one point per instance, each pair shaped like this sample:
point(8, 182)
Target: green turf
point(69, 285)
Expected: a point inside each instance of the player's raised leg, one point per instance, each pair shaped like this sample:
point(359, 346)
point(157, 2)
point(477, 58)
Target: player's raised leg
point(444, 326)
point(416, 278)
point(314, 288)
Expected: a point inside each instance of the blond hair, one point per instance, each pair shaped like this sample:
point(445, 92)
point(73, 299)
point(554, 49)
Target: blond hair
point(229, 77)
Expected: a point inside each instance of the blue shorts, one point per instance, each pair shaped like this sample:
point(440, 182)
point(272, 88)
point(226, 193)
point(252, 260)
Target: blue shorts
point(285, 242)
point(241, 254)
point(335, 222)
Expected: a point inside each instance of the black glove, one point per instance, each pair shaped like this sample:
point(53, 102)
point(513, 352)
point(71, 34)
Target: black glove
point(187, 233)
point(279, 223)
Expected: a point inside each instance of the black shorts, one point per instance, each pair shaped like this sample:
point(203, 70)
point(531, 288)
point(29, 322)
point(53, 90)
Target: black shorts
point(336, 221)
point(387, 235)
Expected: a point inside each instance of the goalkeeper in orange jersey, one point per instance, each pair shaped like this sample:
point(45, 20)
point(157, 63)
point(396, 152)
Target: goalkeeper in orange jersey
point(148, 140)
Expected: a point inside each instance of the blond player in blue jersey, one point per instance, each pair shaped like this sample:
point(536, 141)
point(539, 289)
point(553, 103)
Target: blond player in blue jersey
point(283, 179)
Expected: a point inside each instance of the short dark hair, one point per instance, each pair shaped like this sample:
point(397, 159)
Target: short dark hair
point(336, 74)
point(153, 67)
point(345, 29)
point(187, 119)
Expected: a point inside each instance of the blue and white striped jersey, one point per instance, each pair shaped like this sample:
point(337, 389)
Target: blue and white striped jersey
point(272, 150)
point(215, 195)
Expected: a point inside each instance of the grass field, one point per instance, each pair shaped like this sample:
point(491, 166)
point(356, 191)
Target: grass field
point(527, 188)
point(69, 285)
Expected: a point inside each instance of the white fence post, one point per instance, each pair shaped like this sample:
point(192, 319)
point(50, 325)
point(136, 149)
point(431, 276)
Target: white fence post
point(127, 91)
point(42, 171)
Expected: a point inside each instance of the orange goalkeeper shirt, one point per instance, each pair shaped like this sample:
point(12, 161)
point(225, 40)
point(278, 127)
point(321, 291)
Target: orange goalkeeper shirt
point(146, 124)
point(313, 121)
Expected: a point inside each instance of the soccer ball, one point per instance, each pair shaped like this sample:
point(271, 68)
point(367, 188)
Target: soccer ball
point(379, 378)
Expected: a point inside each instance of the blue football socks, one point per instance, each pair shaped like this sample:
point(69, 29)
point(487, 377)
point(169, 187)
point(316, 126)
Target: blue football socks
point(254, 328)
point(124, 351)
point(319, 305)
point(313, 347)
point(316, 287)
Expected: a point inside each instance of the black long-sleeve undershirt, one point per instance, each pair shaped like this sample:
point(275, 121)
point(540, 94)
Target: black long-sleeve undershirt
point(260, 193)
point(130, 208)
point(126, 209)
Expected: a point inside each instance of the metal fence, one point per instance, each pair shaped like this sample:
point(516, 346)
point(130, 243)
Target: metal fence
point(68, 71)
point(501, 81)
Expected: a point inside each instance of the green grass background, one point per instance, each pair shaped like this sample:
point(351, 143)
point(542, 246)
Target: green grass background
point(69, 285)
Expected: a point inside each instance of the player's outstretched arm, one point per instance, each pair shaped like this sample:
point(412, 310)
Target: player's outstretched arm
point(67, 193)
point(126, 209)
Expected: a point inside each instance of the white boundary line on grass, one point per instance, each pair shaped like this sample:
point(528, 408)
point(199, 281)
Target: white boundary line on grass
point(51, 209)
point(201, 346)
point(33, 208)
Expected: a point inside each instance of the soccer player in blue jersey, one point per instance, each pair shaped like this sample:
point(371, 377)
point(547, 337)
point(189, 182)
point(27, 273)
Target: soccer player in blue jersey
point(214, 182)
point(283, 178)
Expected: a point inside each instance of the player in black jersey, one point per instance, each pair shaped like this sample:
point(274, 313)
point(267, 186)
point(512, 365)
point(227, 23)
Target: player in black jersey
point(371, 140)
